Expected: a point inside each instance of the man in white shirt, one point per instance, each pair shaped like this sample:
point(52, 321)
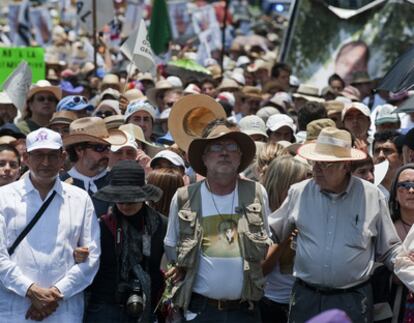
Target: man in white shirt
point(40, 279)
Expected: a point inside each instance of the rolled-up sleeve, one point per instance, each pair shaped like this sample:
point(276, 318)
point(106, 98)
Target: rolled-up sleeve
point(81, 275)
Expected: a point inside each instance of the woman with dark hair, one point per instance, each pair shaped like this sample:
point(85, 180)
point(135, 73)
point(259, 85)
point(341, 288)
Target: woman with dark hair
point(129, 281)
point(9, 164)
point(401, 204)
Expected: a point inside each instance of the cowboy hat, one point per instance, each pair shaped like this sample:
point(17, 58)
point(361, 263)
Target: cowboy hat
point(136, 132)
point(44, 86)
point(127, 185)
point(160, 86)
point(190, 115)
point(62, 117)
point(332, 145)
point(198, 146)
point(93, 129)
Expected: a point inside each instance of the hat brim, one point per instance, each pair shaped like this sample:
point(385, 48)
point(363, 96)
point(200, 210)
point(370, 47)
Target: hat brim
point(308, 97)
point(55, 90)
point(129, 194)
point(197, 147)
point(116, 137)
point(307, 151)
point(152, 94)
point(182, 108)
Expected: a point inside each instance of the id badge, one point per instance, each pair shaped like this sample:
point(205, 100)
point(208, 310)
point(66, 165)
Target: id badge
point(146, 245)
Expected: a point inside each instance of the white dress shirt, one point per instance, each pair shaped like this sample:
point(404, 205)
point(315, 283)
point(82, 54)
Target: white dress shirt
point(45, 255)
point(340, 235)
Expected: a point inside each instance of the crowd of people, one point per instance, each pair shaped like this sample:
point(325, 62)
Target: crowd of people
point(241, 195)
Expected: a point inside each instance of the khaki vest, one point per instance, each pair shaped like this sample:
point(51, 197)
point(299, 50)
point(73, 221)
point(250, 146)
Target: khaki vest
point(253, 239)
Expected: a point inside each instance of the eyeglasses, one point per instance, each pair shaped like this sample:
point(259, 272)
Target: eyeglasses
point(52, 157)
point(12, 164)
point(405, 185)
point(169, 104)
point(323, 165)
point(41, 98)
point(216, 148)
point(98, 148)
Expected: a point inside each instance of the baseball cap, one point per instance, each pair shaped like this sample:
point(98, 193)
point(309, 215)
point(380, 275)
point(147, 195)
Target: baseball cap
point(169, 155)
point(253, 125)
point(357, 106)
point(277, 121)
point(139, 105)
point(74, 103)
point(43, 138)
point(385, 114)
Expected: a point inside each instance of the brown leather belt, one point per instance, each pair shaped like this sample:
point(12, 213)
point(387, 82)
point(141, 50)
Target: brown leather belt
point(223, 305)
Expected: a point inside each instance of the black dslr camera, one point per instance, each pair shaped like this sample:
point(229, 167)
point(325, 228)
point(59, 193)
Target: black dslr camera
point(131, 294)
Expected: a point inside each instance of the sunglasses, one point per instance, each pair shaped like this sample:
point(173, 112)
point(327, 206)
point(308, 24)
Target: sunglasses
point(98, 148)
point(405, 185)
point(76, 100)
point(41, 98)
point(216, 148)
point(169, 104)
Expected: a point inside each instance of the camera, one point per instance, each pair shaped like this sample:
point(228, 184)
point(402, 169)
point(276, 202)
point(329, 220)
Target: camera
point(131, 296)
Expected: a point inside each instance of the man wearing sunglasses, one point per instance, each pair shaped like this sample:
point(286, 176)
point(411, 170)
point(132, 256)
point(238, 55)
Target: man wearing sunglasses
point(41, 104)
point(344, 228)
point(217, 231)
point(88, 146)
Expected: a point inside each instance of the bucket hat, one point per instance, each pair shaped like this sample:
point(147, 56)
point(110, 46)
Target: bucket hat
point(127, 185)
point(198, 146)
point(332, 145)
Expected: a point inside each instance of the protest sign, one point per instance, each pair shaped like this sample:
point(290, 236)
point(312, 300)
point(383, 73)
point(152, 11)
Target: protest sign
point(105, 12)
point(181, 22)
point(11, 57)
point(17, 85)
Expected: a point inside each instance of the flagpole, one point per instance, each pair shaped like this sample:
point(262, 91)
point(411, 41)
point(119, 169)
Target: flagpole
point(95, 42)
point(223, 34)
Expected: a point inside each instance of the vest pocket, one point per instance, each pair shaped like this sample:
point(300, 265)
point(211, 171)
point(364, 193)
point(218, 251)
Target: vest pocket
point(187, 222)
point(255, 245)
point(187, 253)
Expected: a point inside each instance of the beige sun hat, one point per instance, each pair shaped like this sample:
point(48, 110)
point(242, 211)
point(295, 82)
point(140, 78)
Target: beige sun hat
point(93, 129)
point(44, 85)
point(136, 132)
point(314, 128)
point(190, 115)
point(309, 92)
point(160, 86)
point(228, 85)
point(332, 145)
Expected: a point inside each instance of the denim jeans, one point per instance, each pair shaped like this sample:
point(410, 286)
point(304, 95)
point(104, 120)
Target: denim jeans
point(106, 313)
point(206, 312)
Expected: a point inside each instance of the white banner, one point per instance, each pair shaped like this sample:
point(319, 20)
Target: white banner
point(17, 85)
point(105, 12)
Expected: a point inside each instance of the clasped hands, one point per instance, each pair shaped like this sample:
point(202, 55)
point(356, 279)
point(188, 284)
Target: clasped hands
point(44, 302)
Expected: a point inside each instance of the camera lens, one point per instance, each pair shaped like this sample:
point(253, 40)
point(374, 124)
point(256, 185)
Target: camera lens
point(135, 305)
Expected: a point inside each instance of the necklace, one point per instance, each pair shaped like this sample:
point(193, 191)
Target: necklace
point(230, 231)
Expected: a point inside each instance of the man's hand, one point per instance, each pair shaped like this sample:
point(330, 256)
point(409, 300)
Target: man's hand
point(44, 299)
point(176, 274)
point(80, 254)
point(35, 314)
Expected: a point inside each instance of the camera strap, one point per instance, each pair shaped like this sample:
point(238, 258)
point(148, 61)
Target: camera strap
point(31, 224)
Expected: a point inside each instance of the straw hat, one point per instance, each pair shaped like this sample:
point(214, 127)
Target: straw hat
point(333, 106)
point(228, 85)
point(332, 145)
point(134, 94)
point(114, 122)
point(197, 148)
point(314, 128)
point(45, 86)
point(309, 92)
point(136, 132)
point(93, 129)
point(160, 86)
point(190, 115)
point(251, 92)
point(63, 117)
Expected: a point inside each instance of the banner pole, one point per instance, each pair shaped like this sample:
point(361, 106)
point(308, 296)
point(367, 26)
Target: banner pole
point(95, 41)
point(223, 34)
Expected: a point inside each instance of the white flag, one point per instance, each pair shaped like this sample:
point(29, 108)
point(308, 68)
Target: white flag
point(105, 12)
point(137, 49)
point(17, 85)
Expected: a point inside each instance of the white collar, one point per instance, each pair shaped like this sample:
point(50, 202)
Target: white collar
point(88, 182)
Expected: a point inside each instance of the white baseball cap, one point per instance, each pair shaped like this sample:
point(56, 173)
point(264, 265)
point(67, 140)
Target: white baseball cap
point(356, 106)
point(43, 138)
point(169, 155)
point(253, 125)
point(277, 121)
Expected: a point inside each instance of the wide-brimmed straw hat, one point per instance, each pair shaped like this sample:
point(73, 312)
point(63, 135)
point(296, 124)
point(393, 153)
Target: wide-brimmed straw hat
point(93, 129)
point(127, 185)
point(45, 86)
point(332, 145)
point(190, 115)
point(160, 86)
point(198, 146)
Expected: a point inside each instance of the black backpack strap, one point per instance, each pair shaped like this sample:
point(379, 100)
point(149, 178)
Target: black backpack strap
point(31, 224)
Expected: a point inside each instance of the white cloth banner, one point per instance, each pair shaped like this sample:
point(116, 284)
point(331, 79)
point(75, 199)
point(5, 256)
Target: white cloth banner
point(17, 85)
point(105, 12)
